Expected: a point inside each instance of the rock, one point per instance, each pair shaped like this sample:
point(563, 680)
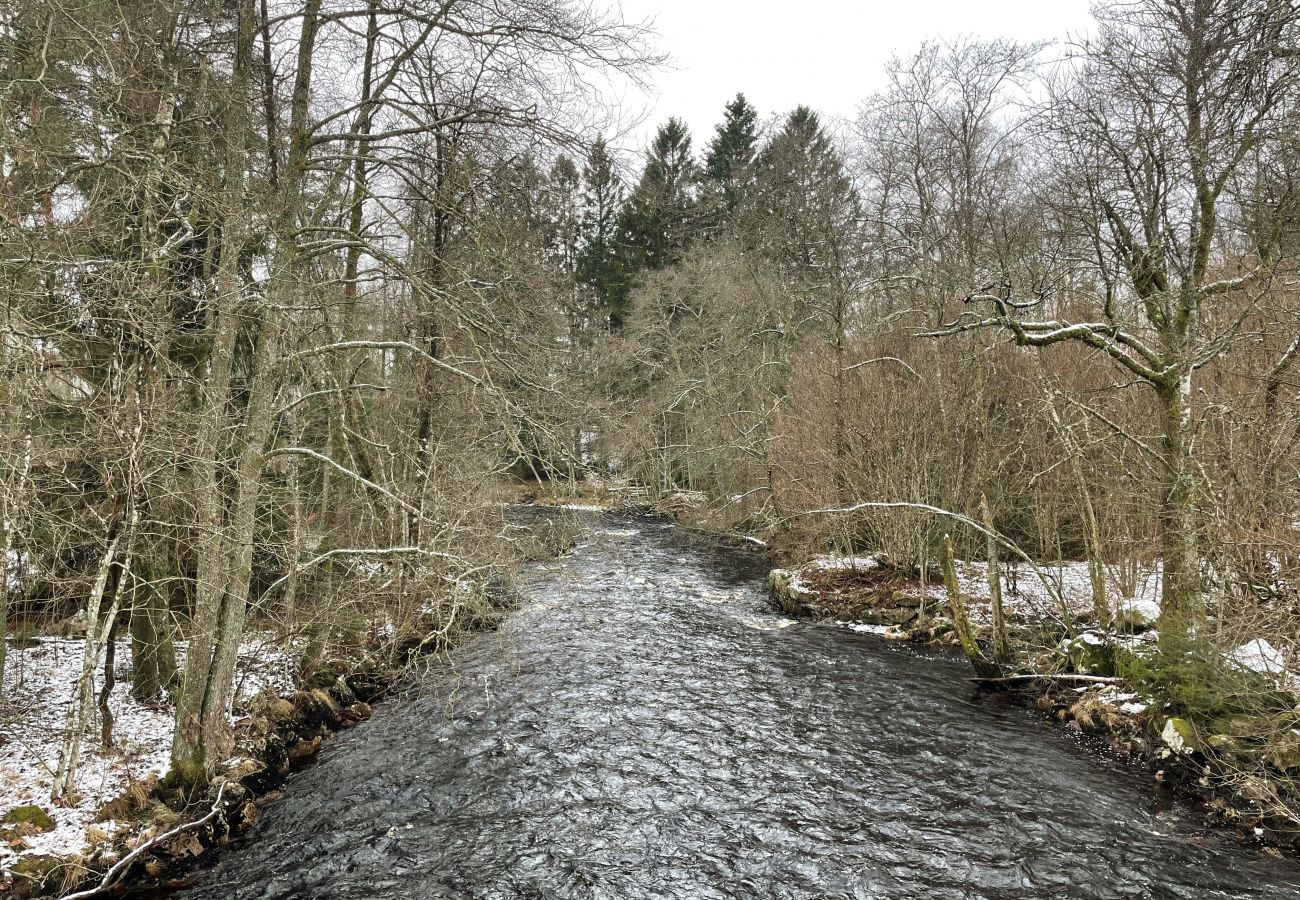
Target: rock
point(1227, 744)
point(1136, 616)
point(328, 674)
point(1260, 657)
point(315, 709)
point(785, 590)
point(247, 771)
point(901, 598)
point(304, 751)
point(365, 686)
point(1089, 654)
point(1239, 726)
point(1180, 737)
point(1284, 754)
point(182, 845)
point(73, 627)
point(357, 712)
point(32, 873)
point(342, 693)
point(895, 616)
point(247, 816)
point(279, 709)
point(1256, 790)
point(30, 818)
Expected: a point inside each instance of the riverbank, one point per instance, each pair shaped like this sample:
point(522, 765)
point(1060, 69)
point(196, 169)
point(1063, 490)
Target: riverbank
point(293, 691)
point(1241, 768)
point(122, 809)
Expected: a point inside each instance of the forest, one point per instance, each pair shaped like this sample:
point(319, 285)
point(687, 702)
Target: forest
point(301, 297)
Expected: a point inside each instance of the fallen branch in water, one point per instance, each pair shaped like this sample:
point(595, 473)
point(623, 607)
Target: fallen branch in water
point(114, 874)
point(1086, 679)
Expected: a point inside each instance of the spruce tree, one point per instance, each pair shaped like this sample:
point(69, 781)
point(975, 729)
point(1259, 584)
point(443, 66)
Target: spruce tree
point(599, 266)
point(807, 208)
point(660, 219)
point(809, 221)
point(563, 213)
point(729, 165)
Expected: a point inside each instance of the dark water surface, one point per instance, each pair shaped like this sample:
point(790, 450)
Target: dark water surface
point(649, 728)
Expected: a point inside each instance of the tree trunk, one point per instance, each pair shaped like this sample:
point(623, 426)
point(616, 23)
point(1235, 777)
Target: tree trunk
point(109, 682)
point(1182, 604)
point(1000, 650)
point(153, 652)
point(965, 632)
point(79, 709)
point(192, 745)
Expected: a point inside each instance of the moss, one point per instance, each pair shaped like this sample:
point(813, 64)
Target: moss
point(1179, 735)
point(30, 815)
point(187, 778)
point(1284, 754)
point(36, 868)
point(1227, 743)
point(1090, 655)
point(279, 710)
point(328, 674)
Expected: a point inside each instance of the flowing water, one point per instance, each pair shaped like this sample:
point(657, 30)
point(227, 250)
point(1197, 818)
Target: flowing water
point(648, 727)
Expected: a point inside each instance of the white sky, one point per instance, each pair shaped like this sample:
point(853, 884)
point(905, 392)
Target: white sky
point(828, 54)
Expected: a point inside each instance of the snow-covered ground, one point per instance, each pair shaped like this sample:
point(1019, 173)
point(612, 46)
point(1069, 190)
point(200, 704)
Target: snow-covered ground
point(39, 683)
point(1025, 596)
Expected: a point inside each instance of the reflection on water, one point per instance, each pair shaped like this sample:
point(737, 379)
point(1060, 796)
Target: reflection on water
point(649, 728)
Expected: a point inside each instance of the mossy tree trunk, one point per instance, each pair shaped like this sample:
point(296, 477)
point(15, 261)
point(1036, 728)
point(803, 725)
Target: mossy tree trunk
point(984, 667)
point(1001, 650)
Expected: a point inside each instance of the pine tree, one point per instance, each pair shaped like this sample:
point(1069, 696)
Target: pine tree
point(729, 165)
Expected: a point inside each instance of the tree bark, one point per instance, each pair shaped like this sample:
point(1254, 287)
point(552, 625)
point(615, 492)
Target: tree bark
point(1182, 605)
point(1000, 650)
point(194, 746)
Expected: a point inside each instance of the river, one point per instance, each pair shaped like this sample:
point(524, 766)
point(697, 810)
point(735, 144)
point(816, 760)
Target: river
point(647, 726)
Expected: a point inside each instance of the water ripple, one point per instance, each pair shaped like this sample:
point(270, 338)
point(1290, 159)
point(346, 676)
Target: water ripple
point(650, 728)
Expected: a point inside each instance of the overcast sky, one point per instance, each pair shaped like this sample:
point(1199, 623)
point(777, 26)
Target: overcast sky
point(828, 54)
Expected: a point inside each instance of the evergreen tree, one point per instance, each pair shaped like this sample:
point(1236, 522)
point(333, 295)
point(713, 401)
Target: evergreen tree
point(563, 214)
point(660, 219)
point(729, 165)
point(599, 266)
point(807, 209)
point(809, 226)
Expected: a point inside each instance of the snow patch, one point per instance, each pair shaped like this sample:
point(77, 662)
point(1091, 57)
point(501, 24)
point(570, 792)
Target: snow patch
point(1260, 657)
point(856, 563)
point(39, 685)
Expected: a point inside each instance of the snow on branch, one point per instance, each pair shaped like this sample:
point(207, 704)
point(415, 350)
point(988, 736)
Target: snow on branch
point(339, 467)
point(892, 359)
point(393, 345)
point(359, 551)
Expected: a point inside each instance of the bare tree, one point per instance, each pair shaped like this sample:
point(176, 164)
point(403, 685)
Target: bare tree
point(1167, 103)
